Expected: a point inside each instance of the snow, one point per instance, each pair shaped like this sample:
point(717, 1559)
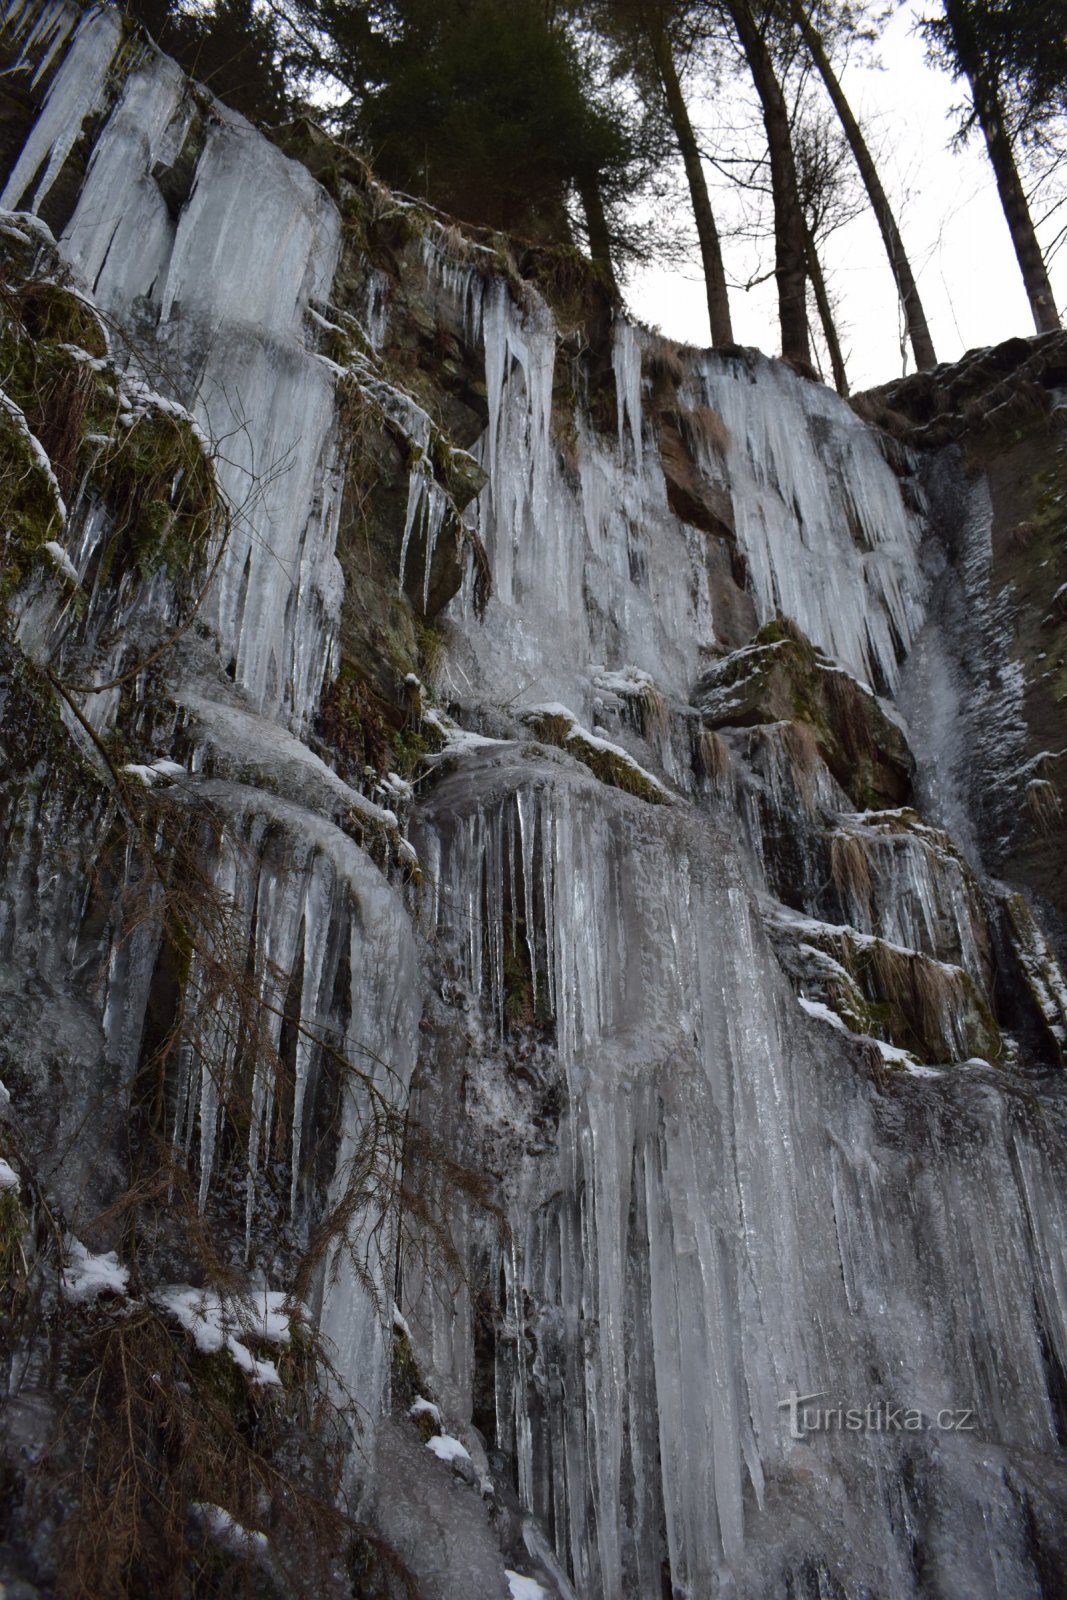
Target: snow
point(8, 1176)
point(445, 1448)
point(38, 451)
point(143, 772)
point(227, 1529)
point(457, 741)
point(84, 1275)
point(594, 740)
point(425, 1408)
point(219, 1322)
point(521, 1588)
point(399, 1324)
point(62, 560)
point(816, 1008)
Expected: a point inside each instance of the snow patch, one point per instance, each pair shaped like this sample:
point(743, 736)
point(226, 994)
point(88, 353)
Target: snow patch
point(85, 1275)
point(521, 1588)
point(445, 1448)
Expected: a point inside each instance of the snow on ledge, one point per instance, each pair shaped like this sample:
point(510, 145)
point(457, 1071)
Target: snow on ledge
point(445, 1448)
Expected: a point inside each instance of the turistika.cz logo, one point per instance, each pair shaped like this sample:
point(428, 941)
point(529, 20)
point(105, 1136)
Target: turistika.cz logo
point(878, 1417)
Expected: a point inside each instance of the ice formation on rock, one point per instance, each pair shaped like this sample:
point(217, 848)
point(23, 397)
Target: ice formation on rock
point(669, 1034)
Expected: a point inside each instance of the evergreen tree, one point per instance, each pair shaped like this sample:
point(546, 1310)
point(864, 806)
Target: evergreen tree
point(233, 48)
point(488, 109)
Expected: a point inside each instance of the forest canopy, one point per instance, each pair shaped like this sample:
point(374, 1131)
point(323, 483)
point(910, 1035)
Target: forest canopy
point(580, 122)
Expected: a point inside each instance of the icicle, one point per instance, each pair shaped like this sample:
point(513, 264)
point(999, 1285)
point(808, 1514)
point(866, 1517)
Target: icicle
point(78, 92)
point(626, 362)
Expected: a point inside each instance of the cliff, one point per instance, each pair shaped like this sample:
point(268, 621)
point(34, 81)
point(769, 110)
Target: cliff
point(529, 914)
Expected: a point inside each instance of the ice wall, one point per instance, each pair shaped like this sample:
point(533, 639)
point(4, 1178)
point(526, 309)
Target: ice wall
point(712, 1207)
point(204, 249)
point(713, 1197)
point(731, 1216)
point(209, 283)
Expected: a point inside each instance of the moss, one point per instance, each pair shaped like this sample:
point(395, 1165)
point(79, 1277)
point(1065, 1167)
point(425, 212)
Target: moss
point(152, 475)
point(552, 728)
point(29, 510)
point(612, 767)
point(219, 1376)
point(922, 1006)
point(781, 677)
point(12, 1233)
point(160, 487)
point(617, 770)
point(576, 288)
point(404, 1371)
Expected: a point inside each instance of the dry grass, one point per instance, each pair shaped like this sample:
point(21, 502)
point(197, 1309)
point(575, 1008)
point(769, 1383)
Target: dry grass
point(1043, 806)
point(925, 995)
point(157, 1428)
point(150, 1426)
point(802, 753)
point(712, 758)
point(850, 869)
point(653, 710)
point(703, 430)
point(663, 361)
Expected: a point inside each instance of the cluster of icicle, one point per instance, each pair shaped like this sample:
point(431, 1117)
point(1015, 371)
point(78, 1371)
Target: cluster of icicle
point(208, 312)
point(727, 1212)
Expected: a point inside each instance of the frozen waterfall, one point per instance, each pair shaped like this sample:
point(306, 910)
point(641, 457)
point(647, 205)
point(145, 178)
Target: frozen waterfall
point(737, 1080)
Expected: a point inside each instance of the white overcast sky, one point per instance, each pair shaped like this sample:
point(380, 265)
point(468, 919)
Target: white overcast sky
point(949, 214)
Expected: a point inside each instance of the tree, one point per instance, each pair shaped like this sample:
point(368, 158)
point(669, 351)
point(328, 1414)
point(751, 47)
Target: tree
point(648, 37)
point(829, 202)
point(915, 317)
point(1010, 96)
point(233, 48)
point(752, 24)
point(703, 216)
point(489, 110)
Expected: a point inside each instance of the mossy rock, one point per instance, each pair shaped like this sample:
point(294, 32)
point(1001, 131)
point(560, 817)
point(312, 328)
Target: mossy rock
point(147, 466)
point(933, 1011)
point(608, 763)
point(406, 1379)
point(30, 509)
point(781, 677)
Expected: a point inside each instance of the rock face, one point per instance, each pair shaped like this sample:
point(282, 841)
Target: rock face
point(991, 437)
point(532, 1029)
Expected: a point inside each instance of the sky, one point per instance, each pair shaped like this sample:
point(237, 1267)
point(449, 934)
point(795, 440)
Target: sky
point(948, 212)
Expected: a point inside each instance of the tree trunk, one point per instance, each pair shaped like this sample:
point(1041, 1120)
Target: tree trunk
point(722, 332)
point(596, 226)
point(790, 228)
point(826, 317)
point(918, 332)
point(990, 114)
